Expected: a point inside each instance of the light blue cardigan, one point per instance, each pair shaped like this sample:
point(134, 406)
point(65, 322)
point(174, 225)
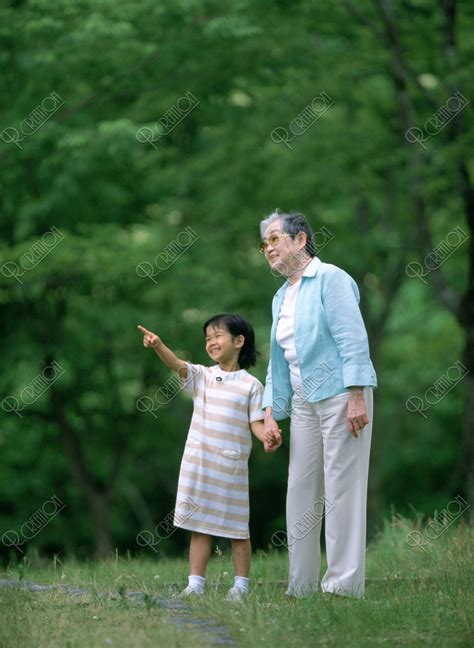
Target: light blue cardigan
point(330, 338)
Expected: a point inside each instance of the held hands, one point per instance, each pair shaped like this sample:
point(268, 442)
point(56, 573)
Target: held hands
point(149, 339)
point(273, 445)
point(272, 434)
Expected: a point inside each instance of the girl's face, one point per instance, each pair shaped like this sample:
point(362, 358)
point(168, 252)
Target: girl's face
point(221, 346)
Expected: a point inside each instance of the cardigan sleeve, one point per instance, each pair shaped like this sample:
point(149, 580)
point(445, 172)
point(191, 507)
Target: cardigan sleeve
point(340, 298)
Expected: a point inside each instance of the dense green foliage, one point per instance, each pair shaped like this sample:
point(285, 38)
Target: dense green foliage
point(119, 66)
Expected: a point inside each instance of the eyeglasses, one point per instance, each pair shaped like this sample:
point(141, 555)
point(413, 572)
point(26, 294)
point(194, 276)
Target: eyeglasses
point(272, 240)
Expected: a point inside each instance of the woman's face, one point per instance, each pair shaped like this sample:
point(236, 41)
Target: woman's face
point(284, 254)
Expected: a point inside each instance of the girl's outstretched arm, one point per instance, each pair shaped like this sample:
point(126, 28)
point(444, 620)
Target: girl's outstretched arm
point(170, 359)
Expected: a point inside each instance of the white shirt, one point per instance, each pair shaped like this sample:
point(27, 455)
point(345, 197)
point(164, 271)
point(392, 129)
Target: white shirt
point(285, 336)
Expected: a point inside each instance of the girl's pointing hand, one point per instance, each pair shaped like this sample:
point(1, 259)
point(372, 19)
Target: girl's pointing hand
point(149, 339)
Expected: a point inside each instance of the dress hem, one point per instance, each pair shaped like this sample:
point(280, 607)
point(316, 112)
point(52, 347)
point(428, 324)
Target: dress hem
point(217, 534)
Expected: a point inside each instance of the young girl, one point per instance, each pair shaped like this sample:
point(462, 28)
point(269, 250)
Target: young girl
point(212, 497)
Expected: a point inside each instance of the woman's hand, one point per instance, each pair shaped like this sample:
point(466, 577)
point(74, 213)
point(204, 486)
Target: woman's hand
point(273, 445)
point(272, 433)
point(356, 411)
point(149, 339)
point(270, 442)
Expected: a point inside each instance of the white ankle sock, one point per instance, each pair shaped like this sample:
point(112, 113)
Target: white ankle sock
point(197, 582)
point(242, 583)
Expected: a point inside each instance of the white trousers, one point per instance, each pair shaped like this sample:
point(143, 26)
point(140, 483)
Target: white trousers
point(327, 475)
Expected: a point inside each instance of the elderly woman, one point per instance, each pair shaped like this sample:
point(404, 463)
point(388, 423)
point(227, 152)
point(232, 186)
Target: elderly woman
point(321, 376)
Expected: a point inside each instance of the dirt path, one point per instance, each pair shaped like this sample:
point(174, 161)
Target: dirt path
point(179, 612)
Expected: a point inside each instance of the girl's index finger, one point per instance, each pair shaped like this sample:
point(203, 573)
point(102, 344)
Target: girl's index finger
point(142, 329)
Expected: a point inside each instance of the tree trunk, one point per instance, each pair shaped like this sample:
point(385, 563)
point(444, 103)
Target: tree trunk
point(97, 499)
point(99, 506)
point(462, 308)
point(466, 318)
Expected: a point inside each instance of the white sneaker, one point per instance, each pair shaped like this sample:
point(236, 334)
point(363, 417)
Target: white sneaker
point(190, 590)
point(236, 594)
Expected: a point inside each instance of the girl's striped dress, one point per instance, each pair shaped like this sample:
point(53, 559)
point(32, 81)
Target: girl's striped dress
point(213, 480)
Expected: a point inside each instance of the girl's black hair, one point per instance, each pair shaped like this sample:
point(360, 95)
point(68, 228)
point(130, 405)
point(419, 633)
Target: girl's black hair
point(237, 325)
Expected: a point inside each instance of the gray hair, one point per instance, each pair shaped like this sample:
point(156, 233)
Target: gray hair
point(292, 224)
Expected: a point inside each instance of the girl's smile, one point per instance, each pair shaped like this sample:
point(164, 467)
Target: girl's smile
point(223, 348)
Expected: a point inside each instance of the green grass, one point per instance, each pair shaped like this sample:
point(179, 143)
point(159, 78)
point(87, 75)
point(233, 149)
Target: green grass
point(412, 598)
